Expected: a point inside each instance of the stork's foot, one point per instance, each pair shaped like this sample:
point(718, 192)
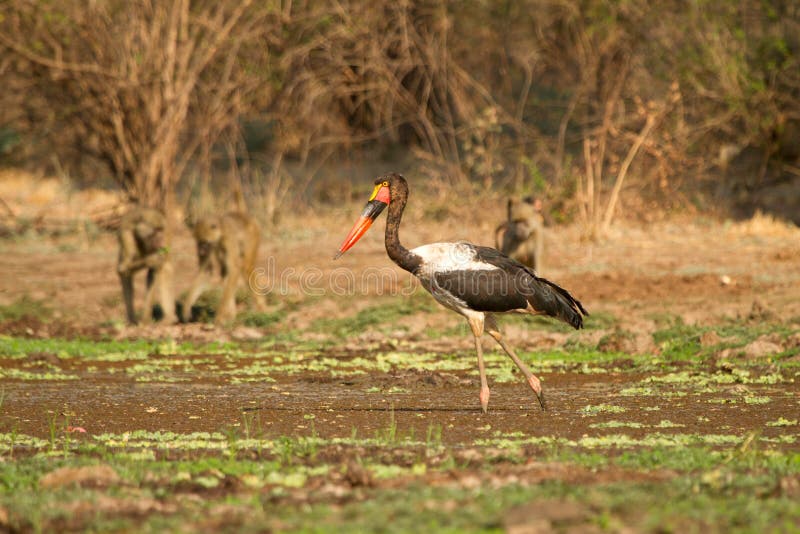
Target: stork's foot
point(542, 403)
point(536, 386)
point(484, 396)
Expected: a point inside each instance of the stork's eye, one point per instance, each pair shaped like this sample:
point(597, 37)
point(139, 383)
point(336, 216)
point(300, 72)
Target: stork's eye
point(385, 184)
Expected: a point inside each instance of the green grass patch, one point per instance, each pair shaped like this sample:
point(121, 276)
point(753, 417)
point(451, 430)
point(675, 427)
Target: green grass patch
point(25, 307)
point(712, 488)
point(19, 374)
point(601, 409)
point(681, 342)
point(260, 319)
point(275, 483)
point(783, 422)
point(617, 424)
point(112, 350)
point(381, 316)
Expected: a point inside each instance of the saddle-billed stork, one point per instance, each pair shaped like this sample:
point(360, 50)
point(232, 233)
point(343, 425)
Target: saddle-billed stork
point(474, 281)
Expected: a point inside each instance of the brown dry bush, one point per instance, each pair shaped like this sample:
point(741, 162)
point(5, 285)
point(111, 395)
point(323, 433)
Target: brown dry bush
point(598, 106)
point(143, 87)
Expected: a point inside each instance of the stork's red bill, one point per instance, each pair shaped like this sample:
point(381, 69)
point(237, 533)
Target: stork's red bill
point(377, 203)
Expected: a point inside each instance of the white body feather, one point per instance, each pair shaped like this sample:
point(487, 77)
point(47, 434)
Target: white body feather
point(448, 257)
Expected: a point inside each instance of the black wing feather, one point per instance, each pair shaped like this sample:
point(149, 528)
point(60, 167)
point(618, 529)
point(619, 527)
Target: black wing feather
point(542, 294)
point(490, 290)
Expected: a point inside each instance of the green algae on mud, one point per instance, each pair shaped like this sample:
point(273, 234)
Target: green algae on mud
point(286, 434)
point(305, 487)
point(602, 408)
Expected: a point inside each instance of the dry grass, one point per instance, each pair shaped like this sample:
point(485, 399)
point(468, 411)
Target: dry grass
point(33, 196)
point(764, 224)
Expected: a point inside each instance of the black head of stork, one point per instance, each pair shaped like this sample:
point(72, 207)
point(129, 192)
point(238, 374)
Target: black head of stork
point(390, 190)
point(476, 282)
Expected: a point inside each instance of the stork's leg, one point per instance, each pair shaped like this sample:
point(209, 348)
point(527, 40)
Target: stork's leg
point(484, 394)
point(533, 381)
point(476, 324)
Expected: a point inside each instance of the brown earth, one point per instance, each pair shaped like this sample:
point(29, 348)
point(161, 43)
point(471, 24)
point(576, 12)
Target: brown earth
point(701, 271)
point(101, 402)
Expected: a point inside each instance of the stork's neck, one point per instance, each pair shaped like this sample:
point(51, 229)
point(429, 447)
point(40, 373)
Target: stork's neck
point(397, 252)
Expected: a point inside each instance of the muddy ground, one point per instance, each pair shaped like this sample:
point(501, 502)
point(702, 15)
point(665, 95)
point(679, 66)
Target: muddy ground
point(308, 371)
point(117, 402)
point(700, 273)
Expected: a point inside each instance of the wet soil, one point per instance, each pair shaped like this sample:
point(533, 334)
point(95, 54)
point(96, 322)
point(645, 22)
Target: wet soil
point(700, 272)
point(105, 399)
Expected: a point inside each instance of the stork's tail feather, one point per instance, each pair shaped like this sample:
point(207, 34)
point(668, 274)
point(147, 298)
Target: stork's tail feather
point(555, 301)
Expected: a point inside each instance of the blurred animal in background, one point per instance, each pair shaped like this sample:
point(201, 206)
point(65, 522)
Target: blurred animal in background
point(227, 246)
point(521, 236)
point(143, 244)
